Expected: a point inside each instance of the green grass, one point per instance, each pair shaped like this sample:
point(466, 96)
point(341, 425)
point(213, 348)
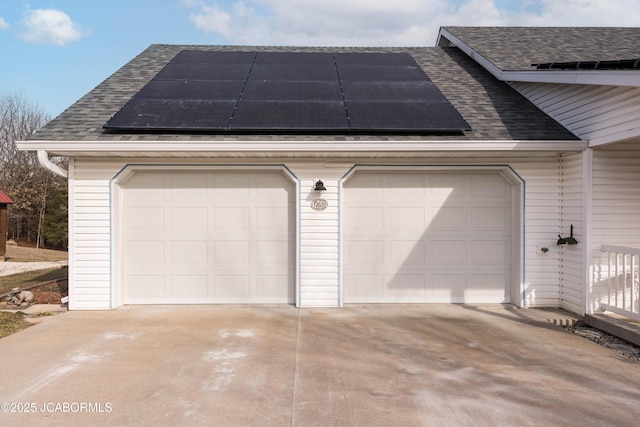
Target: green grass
point(29, 278)
point(12, 322)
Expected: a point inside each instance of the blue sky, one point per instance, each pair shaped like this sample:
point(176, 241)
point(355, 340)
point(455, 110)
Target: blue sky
point(54, 51)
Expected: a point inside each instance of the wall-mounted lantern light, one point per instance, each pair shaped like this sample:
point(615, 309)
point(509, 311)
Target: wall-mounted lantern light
point(320, 186)
point(567, 240)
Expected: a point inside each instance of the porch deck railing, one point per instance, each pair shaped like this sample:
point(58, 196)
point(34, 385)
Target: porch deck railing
point(623, 274)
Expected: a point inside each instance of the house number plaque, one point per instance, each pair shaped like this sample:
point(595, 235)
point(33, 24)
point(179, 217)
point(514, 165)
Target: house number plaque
point(319, 204)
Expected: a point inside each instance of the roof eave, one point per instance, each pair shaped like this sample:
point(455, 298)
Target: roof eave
point(585, 77)
point(286, 148)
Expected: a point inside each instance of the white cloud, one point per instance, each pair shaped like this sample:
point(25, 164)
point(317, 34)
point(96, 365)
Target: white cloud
point(391, 22)
point(50, 26)
point(3, 24)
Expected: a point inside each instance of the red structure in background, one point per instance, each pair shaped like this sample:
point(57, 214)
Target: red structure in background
point(4, 202)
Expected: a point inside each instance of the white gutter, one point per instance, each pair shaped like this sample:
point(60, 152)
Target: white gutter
point(168, 148)
point(586, 77)
point(43, 158)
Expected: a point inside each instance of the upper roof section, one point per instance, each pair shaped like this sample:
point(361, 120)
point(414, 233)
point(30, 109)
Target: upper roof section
point(513, 53)
point(493, 110)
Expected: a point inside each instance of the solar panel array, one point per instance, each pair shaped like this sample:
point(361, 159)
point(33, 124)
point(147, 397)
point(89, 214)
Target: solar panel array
point(212, 91)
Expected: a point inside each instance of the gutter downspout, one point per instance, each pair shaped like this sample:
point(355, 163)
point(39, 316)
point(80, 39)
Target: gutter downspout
point(43, 158)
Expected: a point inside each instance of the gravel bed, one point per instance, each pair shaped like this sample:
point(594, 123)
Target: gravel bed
point(616, 344)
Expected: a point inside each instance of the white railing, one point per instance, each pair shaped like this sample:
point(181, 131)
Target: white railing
point(623, 274)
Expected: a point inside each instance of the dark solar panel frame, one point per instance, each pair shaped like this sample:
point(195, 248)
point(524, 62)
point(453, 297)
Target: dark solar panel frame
point(380, 73)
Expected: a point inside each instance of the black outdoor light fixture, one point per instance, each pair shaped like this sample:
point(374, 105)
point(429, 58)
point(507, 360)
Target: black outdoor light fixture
point(320, 186)
point(567, 240)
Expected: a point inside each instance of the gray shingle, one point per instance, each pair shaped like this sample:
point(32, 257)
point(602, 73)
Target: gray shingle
point(516, 48)
point(493, 109)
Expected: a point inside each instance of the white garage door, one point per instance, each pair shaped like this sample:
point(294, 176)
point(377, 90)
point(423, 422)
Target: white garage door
point(427, 237)
point(208, 237)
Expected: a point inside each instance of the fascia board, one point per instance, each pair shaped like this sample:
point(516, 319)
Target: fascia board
point(168, 148)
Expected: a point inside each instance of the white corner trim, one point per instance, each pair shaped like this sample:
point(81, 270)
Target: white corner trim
point(43, 158)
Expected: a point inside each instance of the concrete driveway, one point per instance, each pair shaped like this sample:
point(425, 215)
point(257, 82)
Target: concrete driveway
point(396, 365)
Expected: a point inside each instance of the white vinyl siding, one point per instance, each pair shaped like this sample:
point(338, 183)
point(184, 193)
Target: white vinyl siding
point(317, 232)
point(573, 277)
point(616, 207)
point(598, 114)
point(90, 238)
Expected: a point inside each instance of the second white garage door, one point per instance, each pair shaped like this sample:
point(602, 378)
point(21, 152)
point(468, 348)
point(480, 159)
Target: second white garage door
point(208, 237)
point(427, 237)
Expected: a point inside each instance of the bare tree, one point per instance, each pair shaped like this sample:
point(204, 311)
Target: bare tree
point(21, 176)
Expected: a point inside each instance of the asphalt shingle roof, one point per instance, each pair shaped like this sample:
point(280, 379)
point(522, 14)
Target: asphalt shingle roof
point(516, 48)
point(492, 108)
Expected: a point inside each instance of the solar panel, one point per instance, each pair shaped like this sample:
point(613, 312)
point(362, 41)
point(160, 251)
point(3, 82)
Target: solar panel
point(290, 116)
point(296, 58)
point(231, 91)
point(294, 73)
point(203, 56)
point(367, 59)
point(259, 90)
point(170, 115)
point(404, 116)
point(417, 91)
point(227, 90)
point(204, 71)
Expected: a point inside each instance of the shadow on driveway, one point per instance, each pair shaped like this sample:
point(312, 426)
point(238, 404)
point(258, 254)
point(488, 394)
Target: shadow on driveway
point(277, 365)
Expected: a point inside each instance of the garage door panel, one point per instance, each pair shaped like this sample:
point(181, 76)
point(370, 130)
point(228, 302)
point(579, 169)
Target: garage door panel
point(448, 287)
point(449, 219)
point(405, 286)
point(272, 252)
point(447, 187)
point(406, 217)
point(489, 219)
point(231, 217)
point(488, 288)
point(232, 286)
point(364, 252)
point(272, 286)
point(449, 252)
point(188, 252)
point(145, 218)
point(364, 287)
point(489, 186)
point(188, 218)
point(407, 253)
point(147, 288)
point(208, 238)
point(365, 218)
point(192, 286)
point(231, 253)
point(270, 219)
point(486, 252)
point(145, 252)
point(429, 247)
